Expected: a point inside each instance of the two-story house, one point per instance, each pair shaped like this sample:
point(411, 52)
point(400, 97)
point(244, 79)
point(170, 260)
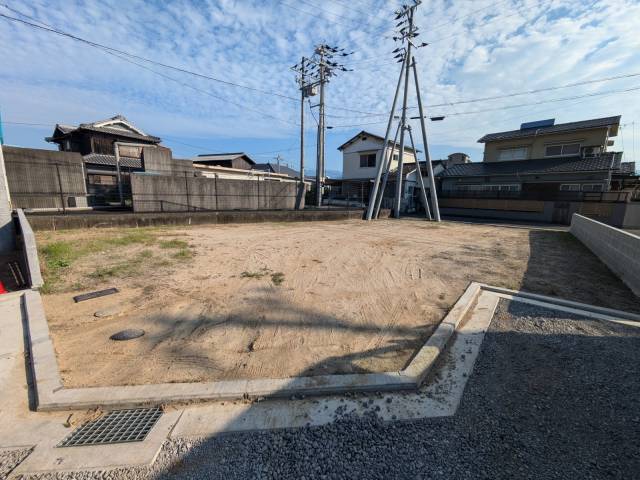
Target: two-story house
point(95, 141)
point(543, 160)
point(361, 156)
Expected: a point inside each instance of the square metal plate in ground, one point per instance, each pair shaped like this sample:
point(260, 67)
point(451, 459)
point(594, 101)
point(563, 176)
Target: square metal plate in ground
point(118, 426)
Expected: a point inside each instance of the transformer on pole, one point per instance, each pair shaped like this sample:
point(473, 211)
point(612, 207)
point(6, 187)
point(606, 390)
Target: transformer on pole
point(314, 73)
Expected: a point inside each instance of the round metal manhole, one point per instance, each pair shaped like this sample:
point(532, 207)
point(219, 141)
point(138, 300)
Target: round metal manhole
point(128, 334)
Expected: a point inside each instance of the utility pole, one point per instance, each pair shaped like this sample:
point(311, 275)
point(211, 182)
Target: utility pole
point(302, 80)
point(403, 126)
point(304, 93)
point(316, 72)
point(406, 34)
point(321, 130)
point(277, 159)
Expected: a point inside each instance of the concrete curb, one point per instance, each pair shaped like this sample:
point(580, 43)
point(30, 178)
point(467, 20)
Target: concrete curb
point(51, 394)
point(601, 311)
point(30, 250)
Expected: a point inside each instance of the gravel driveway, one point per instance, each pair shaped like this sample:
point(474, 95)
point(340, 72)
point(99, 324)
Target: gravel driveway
point(552, 396)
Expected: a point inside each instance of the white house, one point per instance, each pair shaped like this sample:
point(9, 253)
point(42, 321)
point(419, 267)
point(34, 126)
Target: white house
point(362, 154)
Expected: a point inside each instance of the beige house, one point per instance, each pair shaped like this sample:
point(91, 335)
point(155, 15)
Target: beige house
point(545, 139)
point(362, 154)
point(545, 160)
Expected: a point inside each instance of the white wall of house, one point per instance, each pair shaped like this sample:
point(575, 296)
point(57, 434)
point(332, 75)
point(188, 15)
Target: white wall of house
point(351, 158)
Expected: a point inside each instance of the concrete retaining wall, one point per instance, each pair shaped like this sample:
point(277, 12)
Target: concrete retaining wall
point(7, 236)
point(27, 244)
point(617, 249)
point(621, 215)
point(164, 193)
point(41, 222)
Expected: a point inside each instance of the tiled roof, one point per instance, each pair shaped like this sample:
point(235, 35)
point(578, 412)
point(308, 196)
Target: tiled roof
point(98, 126)
point(531, 167)
point(273, 167)
point(222, 157)
point(559, 128)
point(628, 168)
point(110, 160)
point(121, 133)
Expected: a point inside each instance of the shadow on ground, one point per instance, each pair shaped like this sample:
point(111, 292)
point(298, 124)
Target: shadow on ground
point(561, 266)
point(543, 402)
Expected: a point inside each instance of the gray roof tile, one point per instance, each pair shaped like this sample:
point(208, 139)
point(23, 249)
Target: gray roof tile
point(110, 160)
point(558, 128)
point(539, 166)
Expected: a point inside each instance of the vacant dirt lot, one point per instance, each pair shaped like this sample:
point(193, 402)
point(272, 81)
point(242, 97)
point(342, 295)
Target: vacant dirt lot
point(278, 300)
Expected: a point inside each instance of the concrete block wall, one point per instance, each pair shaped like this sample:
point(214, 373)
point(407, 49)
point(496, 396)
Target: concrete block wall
point(7, 240)
point(617, 249)
point(164, 193)
point(45, 178)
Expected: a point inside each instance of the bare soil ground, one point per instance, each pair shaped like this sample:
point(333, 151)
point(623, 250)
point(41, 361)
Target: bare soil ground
point(279, 300)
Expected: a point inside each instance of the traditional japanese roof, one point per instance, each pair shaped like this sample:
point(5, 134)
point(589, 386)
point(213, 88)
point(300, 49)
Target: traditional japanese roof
point(110, 160)
point(117, 125)
point(628, 168)
point(607, 161)
point(612, 122)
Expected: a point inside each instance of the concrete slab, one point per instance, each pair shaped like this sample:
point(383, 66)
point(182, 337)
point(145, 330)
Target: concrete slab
point(47, 458)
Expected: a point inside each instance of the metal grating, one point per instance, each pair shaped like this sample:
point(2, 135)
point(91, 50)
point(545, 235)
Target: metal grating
point(118, 426)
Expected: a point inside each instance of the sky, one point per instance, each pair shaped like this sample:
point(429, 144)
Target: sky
point(477, 49)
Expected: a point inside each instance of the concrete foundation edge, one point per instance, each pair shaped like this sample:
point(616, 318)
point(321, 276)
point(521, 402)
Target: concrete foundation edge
point(52, 396)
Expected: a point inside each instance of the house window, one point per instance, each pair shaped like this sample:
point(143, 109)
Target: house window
point(395, 157)
point(570, 187)
point(592, 187)
point(591, 151)
point(95, 179)
point(512, 187)
point(368, 160)
point(519, 153)
point(563, 150)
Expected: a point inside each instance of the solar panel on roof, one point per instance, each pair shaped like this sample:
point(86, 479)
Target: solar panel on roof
point(538, 124)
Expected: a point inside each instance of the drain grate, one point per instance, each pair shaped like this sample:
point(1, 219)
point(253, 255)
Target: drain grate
point(119, 426)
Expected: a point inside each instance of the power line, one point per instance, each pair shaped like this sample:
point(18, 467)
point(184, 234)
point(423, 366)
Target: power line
point(103, 47)
point(106, 48)
point(510, 95)
point(206, 92)
point(508, 107)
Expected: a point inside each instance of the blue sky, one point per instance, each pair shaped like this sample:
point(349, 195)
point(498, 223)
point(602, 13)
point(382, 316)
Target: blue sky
point(478, 49)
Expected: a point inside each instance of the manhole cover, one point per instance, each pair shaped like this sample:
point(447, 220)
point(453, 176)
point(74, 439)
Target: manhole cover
point(128, 334)
point(119, 426)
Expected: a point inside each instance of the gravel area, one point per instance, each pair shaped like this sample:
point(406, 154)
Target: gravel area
point(552, 396)
point(10, 459)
